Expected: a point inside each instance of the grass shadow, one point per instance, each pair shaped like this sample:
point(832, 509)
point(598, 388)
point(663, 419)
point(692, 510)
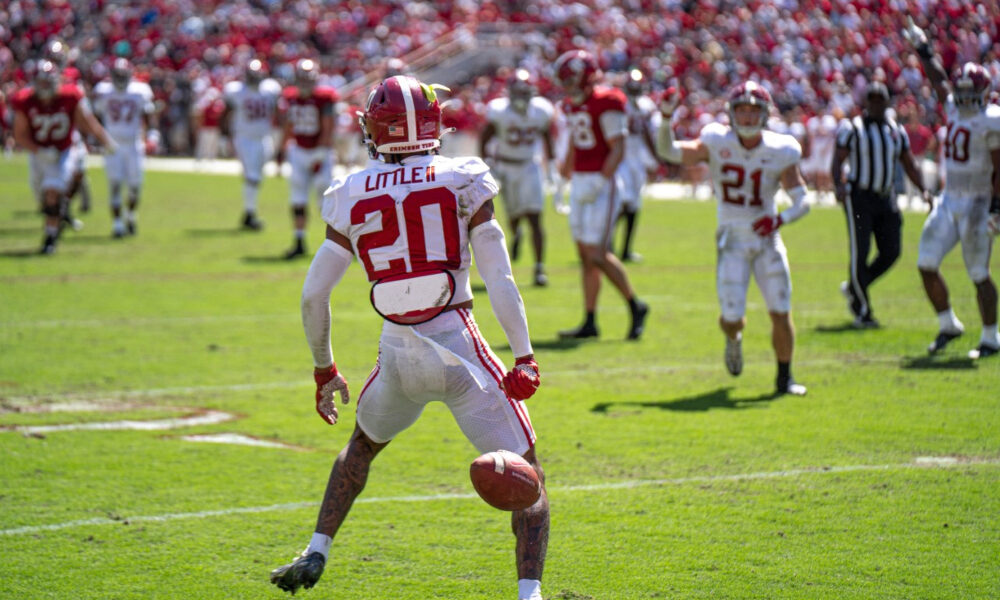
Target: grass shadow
point(209, 232)
point(21, 253)
point(274, 259)
point(719, 398)
point(12, 231)
point(847, 327)
point(950, 363)
point(551, 344)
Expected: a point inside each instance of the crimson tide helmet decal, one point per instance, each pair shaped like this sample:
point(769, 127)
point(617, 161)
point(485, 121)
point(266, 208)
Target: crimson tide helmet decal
point(402, 115)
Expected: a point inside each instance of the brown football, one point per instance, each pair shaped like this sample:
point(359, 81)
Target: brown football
point(505, 480)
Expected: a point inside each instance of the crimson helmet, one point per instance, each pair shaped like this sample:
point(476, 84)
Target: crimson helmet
point(45, 80)
point(576, 70)
point(521, 88)
point(402, 115)
point(121, 73)
point(753, 94)
point(254, 72)
point(970, 86)
point(306, 74)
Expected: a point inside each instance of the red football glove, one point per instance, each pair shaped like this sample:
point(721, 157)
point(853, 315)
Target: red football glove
point(669, 100)
point(328, 381)
point(767, 225)
point(521, 382)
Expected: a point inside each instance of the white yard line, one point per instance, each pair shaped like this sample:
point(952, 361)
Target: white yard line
point(924, 462)
point(208, 418)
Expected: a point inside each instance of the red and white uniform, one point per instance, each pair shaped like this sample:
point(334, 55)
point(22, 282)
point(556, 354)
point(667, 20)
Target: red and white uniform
point(517, 138)
point(51, 127)
point(123, 113)
point(311, 159)
point(963, 213)
point(745, 182)
point(409, 218)
point(594, 200)
point(252, 115)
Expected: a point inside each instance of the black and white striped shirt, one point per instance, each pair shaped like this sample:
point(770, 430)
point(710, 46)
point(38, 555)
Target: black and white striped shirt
point(875, 148)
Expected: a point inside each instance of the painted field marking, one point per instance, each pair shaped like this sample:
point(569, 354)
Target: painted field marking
point(922, 462)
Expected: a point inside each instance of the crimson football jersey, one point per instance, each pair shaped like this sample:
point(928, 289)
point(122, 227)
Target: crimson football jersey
point(306, 114)
point(50, 123)
point(587, 123)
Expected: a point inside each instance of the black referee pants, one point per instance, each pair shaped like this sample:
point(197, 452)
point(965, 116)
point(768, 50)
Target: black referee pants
point(870, 214)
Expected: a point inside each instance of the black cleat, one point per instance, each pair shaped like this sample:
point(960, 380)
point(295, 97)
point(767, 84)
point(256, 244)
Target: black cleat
point(541, 280)
point(130, 227)
point(251, 222)
point(942, 339)
point(983, 351)
point(638, 321)
point(299, 249)
point(302, 572)
point(788, 386)
point(48, 245)
point(865, 322)
point(581, 332)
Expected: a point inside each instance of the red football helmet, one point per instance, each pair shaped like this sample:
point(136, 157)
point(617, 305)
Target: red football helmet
point(576, 71)
point(750, 93)
point(121, 73)
point(402, 115)
point(970, 86)
point(46, 80)
point(521, 88)
point(306, 74)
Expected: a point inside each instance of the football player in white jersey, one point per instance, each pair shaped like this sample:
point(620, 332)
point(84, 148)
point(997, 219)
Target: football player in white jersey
point(821, 130)
point(640, 156)
point(747, 165)
point(411, 219)
point(248, 120)
point(517, 122)
point(969, 211)
point(125, 106)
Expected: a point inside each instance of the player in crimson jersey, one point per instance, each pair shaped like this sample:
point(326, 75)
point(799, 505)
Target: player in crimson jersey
point(595, 118)
point(969, 211)
point(411, 219)
point(59, 53)
point(45, 117)
point(747, 164)
point(308, 132)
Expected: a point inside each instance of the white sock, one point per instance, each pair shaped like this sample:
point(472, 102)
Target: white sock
point(529, 589)
point(990, 335)
point(249, 197)
point(948, 320)
point(320, 543)
point(300, 234)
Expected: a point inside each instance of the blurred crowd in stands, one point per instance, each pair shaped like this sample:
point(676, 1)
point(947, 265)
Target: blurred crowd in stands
point(815, 55)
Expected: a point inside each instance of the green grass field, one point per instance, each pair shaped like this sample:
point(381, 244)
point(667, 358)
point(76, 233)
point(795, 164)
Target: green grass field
point(667, 477)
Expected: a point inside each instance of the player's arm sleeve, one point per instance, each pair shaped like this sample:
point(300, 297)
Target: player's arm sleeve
point(493, 263)
point(325, 272)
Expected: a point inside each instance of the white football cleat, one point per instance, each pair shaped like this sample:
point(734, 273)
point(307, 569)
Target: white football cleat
point(734, 355)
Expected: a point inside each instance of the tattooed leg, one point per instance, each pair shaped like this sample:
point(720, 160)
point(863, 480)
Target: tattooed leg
point(347, 479)
point(531, 527)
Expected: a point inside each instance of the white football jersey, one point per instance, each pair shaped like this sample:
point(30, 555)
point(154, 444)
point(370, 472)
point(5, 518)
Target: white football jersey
point(642, 115)
point(122, 111)
point(252, 108)
point(967, 145)
point(412, 217)
point(822, 135)
point(745, 180)
point(517, 133)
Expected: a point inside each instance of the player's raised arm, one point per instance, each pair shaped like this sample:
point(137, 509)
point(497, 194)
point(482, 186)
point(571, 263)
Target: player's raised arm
point(327, 269)
point(931, 63)
point(678, 152)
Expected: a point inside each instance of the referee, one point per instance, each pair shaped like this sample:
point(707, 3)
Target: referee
point(874, 146)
